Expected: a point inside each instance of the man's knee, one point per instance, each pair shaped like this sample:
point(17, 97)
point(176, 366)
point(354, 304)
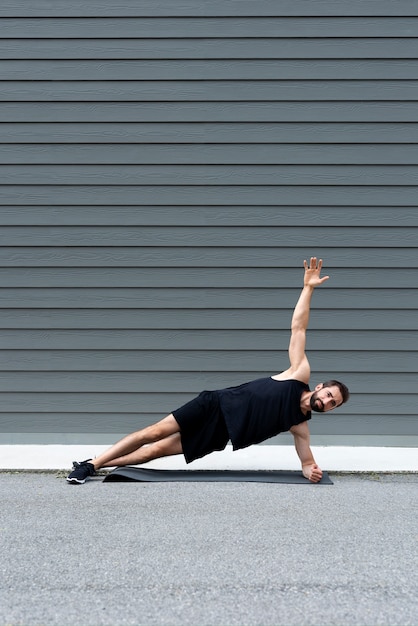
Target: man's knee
point(171, 444)
point(165, 447)
point(164, 428)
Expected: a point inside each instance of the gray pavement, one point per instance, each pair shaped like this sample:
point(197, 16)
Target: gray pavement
point(211, 554)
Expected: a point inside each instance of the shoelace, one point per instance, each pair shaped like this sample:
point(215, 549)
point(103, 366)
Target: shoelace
point(76, 465)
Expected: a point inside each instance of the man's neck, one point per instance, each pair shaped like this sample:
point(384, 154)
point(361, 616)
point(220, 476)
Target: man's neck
point(305, 404)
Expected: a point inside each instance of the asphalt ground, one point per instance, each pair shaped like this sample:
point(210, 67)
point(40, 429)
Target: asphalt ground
point(208, 554)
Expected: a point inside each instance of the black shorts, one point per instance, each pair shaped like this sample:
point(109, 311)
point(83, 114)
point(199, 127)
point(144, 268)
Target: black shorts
point(202, 426)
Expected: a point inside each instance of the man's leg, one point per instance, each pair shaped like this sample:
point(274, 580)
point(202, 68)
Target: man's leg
point(160, 439)
point(169, 446)
point(130, 445)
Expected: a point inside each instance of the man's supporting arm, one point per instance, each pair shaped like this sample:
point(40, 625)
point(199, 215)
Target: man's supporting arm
point(301, 437)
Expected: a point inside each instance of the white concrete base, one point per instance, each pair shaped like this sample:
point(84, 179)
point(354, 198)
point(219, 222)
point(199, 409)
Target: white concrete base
point(330, 458)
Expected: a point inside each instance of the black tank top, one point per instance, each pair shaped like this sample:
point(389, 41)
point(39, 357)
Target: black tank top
point(261, 409)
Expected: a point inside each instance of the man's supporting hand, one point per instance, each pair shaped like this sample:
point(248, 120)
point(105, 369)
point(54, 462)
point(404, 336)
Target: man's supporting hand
point(312, 472)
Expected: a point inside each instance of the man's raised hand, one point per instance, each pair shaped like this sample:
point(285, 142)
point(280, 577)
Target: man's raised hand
point(312, 276)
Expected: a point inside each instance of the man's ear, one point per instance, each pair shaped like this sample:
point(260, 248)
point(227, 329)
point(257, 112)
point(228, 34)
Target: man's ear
point(319, 386)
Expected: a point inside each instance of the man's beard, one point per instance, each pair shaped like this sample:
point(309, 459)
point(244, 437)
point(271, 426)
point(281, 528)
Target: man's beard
point(316, 403)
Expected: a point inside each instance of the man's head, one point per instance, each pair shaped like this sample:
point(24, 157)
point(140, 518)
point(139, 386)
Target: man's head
point(328, 396)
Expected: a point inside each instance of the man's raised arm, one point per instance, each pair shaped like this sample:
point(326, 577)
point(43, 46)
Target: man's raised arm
point(299, 365)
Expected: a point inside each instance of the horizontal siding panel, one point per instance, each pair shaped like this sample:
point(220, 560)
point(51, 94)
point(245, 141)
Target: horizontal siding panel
point(135, 422)
point(366, 428)
point(153, 8)
point(207, 236)
point(138, 421)
point(206, 361)
point(175, 27)
point(375, 423)
point(245, 319)
point(291, 111)
point(178, 298)
point(212, 48)
point(209, 133)
point(378, 405)
point(213, 70)
point(318, 195)
point(275, 256)
point(207, 90)
point(226, 340)
point(208, 154)
point(209, 174)
point(209, 278)
point(377, 217)
point(97, 424)
point(351, 419)
point(182, 382)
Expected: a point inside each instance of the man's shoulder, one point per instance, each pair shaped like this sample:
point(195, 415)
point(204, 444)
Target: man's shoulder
point(292, 375)
point(301, 429)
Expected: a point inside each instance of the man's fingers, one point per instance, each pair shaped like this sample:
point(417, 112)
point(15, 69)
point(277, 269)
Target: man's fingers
point(316, 474)
point(313, 265)
point(315, 478)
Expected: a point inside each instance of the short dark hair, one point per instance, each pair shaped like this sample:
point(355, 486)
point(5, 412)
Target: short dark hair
point(343, 388)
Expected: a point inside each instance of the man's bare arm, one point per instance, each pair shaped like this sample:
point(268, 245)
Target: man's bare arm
point(299, 364)
point(301, 437)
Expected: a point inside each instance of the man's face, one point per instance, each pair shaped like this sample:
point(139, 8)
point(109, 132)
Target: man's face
point(325, 399)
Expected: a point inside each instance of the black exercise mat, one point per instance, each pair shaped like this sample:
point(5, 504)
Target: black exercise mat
point(140, 474)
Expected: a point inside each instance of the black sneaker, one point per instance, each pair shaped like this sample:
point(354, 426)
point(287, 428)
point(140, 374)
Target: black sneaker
point(80, 472)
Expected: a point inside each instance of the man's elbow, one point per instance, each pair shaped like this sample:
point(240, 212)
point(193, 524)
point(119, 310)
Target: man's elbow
point(297, 327)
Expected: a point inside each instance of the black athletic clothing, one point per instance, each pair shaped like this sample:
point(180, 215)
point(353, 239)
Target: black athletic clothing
point(261, 409)
point(246, 414)
point(202, 426)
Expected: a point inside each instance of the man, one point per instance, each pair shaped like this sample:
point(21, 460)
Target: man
point(246, 414)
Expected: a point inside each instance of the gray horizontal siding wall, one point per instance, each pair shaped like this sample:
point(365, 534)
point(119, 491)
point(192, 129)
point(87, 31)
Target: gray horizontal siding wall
point(165, 167)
